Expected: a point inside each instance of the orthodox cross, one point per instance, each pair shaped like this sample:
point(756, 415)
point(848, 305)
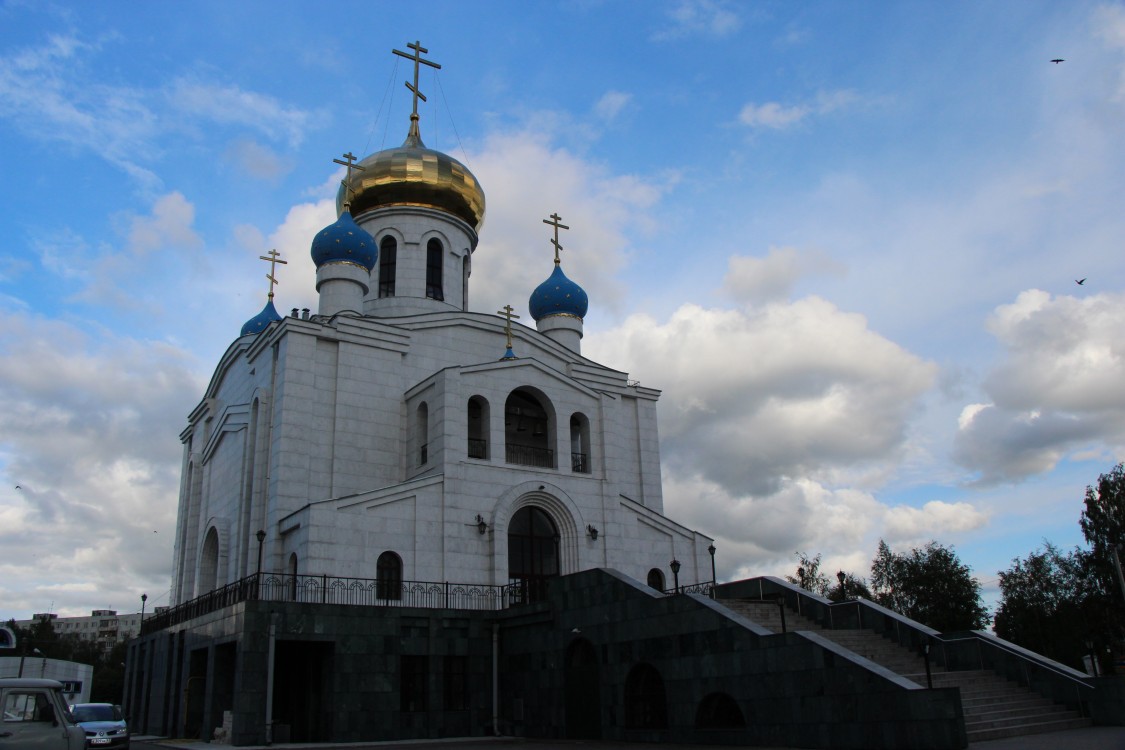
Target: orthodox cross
point(350, 165)
point(508, 313)
point(419, 50)
point(274, 257)
point(557, 225)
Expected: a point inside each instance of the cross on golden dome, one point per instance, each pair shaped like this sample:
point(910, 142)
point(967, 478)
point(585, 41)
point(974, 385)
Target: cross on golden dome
point(419, 50)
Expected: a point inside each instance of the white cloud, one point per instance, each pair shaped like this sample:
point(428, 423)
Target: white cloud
point(755, 397)
point(757, 280)
point(700, 18)
point(256, 160)
point(1057, 389)
point(85, 420)
point(169, 226)
point(232, 105)
point(777, 116)
point(611, 104)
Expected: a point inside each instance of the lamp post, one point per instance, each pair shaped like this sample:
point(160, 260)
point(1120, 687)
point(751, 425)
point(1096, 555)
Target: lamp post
point(261, 538)
point(675, 566)
point(711, 550)
point(843, 585)
point(35, 652)
point(144, 598)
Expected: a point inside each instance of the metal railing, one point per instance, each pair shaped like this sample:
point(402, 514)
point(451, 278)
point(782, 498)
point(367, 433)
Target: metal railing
point(478, 448)
point(527, 455)
point(578, 463)
point(325, 589)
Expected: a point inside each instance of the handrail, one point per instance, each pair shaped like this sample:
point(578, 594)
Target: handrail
point(1003, 657)
point(325, 589)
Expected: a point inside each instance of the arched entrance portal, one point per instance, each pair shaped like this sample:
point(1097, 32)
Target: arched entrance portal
point(533, 553)
point(583, 692)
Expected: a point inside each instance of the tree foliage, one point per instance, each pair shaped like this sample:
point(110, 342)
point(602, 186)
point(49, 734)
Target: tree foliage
point(1045, 604)
point(811, 578)
point(928, 584)
point(109, 666)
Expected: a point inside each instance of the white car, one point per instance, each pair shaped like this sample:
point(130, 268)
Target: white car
point(104, 724)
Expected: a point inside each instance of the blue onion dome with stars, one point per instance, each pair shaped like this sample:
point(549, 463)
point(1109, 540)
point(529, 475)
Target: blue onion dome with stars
point(558, 295)
point(344, 241)
point(261, 321)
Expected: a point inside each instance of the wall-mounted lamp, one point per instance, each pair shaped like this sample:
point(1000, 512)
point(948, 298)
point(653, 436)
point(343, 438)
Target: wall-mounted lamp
point(593, 532)
point(482, 525)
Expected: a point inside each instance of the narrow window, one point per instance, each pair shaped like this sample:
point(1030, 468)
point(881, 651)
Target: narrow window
point(388, 257)
point(422, 432)
point(580, 444)
point(656, 579)
point(434, 257)
point(478, 428)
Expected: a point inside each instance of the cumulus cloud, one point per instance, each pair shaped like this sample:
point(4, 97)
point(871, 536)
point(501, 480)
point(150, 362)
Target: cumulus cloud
point(753, 397)
point(777, 116)
point(760, 534)
point(527, 179)
point(170, 225)
point(699, 18)
point(95, 460)
point(757, 280)
point(1056, 390)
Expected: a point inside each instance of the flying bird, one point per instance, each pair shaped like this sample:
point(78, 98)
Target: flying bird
point(1080, 282)
point(1058, 60)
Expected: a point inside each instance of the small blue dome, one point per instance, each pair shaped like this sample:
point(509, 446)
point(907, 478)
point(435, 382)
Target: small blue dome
point(558, 295)
point(344, 242)
point(258, 323)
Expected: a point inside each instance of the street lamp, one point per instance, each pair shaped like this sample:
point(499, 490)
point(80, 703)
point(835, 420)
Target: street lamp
point(675, 566)
point(843, 587)
point(261, 538)
point(35, 652)
point(144, 598)
point(711, 549)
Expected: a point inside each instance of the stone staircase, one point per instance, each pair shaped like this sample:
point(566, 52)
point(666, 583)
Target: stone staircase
point(993, 707)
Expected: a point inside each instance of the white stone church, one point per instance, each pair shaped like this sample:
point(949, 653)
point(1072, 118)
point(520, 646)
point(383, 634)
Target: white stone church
point(396, 435)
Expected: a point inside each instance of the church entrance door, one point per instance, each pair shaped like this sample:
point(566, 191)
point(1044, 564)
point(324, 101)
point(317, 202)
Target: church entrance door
point(533, 554)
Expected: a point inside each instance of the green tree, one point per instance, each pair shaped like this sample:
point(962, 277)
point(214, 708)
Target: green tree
point(928, 584)
point(1045, 604)
point(1103, 526)
point(809, 575)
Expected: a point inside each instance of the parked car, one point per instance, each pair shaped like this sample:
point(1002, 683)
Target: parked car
point(104, 724)
point(35, 715)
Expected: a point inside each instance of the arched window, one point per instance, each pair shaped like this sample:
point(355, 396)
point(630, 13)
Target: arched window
point(579, 443)
point(388, 576)
point(422, 433)
point(533, 553)
point(656, 579)
point(529, 429)
point(434, 257)
point(209, 563)
point(465, 282)
point(388, 257)
point(645, 704)
point(719, 711)
point(478, 427)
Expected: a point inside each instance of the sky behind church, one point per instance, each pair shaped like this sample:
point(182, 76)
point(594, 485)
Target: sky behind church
point(842, 238)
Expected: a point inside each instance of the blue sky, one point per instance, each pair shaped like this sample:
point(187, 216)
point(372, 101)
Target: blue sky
point(842, 238)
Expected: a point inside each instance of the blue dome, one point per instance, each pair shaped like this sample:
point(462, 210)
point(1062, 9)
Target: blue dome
point(344, 242)
point(258, 323)
point(558, 295)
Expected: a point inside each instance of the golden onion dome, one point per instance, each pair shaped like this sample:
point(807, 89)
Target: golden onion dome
point(413, 175)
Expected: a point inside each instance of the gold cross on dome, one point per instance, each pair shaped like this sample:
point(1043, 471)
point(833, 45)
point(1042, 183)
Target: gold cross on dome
point(274, 257)
point(556, 223)
point(347, 182)
point(508, 313)
point(419, 50)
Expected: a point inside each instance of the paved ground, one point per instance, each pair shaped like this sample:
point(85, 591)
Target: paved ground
point(1093, 738)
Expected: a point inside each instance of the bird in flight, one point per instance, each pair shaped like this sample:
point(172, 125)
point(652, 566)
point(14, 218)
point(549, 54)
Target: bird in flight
point(1058, 60)
point(1080, 282)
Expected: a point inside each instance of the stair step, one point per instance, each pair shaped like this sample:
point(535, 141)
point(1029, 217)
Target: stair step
point(1042, 727)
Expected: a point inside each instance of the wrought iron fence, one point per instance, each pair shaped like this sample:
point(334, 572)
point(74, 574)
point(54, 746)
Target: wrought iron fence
point(324, 589)
point(704, 588)
point(578, 463)
point(529, 455)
